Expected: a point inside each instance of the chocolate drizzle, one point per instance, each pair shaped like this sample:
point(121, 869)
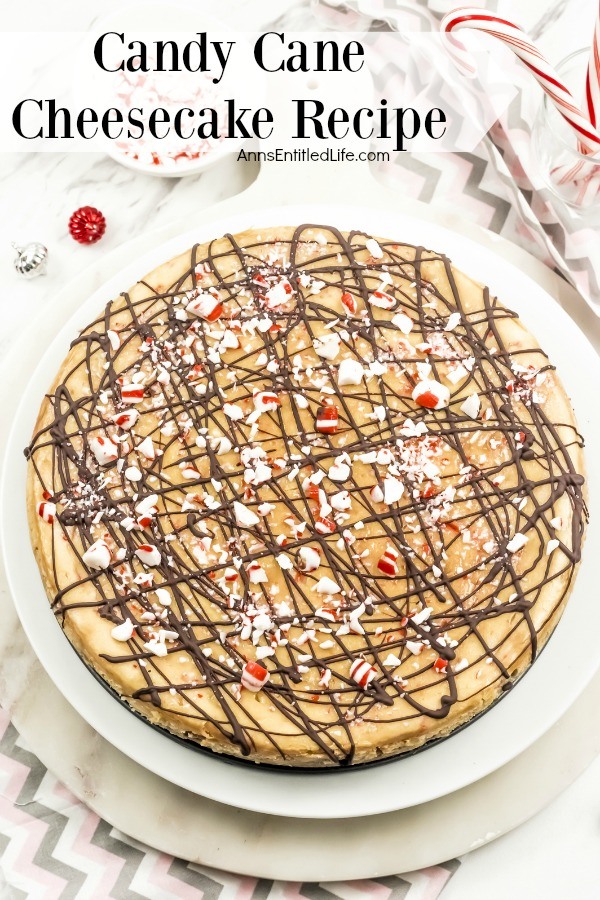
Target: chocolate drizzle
point(507, 471)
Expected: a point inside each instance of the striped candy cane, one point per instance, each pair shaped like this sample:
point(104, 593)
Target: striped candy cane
point(527, 52)
point(592, 83)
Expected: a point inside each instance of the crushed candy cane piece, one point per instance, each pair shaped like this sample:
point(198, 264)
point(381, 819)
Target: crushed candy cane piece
point(327, 421)
point(381, 300)
point(254, 676)
point(350, 372)
point(431, 394)
point(362, 673)
point(97, 555)
point(104, 450)
point(47, 511)
point(126, 419)
point(471, 406)
point(309, 559)
point(123, 631)
point(374, 248)
point(349, 301)
point(148, 554)
point(244, 516)
point(205, 306)
point(388, 563)
point(132, 393)
point(403, 322)
point(327, 585)
point(517, 542)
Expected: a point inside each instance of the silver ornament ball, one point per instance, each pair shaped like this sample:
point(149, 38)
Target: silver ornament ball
point(31, 260)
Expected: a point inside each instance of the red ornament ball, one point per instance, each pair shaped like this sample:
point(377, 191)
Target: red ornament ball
point(87, 225)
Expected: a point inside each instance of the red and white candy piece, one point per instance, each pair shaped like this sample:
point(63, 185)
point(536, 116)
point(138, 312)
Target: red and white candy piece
point(47, 511)
point(146, 510)
point(341, 501)
point(309, 559)
point(266, 401)
point(105, 450)
point(147, 505)
point(313, 491)
point(328, 419)
point(145, 520)
point(132, 393)
point(362, 673)
point(97, 555)
point(148, 554)
point(381, 299)
point(388, 564)
point(440, 665)
point(205, 306)
point(350, 302)
point(254, 676)
point(126, 419)
point(323, 525)
point(431, 394)
point(339, 471)
point(376, 494)
point(256, 574)
point(279, 294)
point(326, 612)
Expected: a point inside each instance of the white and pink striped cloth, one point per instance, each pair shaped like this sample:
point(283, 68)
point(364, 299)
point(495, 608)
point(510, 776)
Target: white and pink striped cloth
point(54, 847)
point(498, 186)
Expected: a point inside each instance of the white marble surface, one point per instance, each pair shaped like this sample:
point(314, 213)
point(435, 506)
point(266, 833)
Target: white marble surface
point(555, 855)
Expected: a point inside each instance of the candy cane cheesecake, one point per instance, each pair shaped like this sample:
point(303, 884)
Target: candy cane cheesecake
point(307, 497)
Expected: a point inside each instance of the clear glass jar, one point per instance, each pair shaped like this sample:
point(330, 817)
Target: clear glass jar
point(572, 176)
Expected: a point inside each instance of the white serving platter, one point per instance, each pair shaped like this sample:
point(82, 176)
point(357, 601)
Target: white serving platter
point(530, 709)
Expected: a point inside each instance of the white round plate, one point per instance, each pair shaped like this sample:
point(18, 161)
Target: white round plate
point(530, 709)
point(153, 18)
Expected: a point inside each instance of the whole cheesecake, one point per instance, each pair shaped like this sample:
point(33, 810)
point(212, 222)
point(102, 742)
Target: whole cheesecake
point(308, 497)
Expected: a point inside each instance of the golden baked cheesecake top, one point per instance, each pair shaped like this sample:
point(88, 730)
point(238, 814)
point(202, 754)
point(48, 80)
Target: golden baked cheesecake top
point(306, 496)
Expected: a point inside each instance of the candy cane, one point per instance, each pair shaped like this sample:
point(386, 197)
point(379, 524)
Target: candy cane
point(592, 82)
point(589, 185)
point(527, 52)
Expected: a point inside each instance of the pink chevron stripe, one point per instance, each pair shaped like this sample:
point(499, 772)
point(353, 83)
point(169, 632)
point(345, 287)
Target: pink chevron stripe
point(23, 871)
point(291, 890)
point(160, 877)
point(16, 773)
point(245, 888)
point(371, 889)
point(454, 177)
point(107, 862)
point(580, 239)
point(437, 878)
